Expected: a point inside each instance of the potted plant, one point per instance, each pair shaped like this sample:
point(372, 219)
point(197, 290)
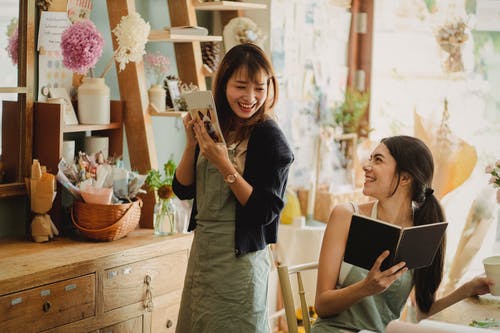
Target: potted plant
point(164, 221)
point(349, 113)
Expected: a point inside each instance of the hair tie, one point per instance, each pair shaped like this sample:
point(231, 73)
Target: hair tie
point(428, 192)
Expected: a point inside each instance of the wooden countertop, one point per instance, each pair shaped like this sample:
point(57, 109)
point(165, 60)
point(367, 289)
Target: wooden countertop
point(24, 263)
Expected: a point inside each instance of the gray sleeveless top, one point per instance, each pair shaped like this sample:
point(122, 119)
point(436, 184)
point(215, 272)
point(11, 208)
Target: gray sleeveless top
point(371, 313)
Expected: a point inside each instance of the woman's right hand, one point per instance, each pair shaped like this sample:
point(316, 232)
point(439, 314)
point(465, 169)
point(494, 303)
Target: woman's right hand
point(188, 127)
point(378, 281)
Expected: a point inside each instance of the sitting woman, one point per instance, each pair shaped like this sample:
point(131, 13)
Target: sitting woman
point(399, 176)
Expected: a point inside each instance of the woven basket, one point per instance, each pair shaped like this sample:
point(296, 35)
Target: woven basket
point(106, 222)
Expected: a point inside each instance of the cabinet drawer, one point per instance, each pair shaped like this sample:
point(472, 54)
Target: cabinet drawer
point(133, 325)
point(165, 312)
point(126, 284)
point(48, 306)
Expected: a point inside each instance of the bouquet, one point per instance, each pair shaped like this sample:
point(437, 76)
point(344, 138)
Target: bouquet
point(450, 37)
point(82, 44)
point(157, 66)
point(494, 171)
point(95, 180)
point(13, 40)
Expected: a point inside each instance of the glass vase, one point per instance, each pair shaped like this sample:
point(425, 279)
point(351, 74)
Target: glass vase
point(164, 217)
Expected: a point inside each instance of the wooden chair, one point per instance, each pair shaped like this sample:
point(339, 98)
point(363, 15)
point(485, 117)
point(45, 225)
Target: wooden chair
point(284, 273)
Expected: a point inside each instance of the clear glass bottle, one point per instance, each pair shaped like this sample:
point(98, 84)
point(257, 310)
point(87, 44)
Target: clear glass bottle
point(165, 217)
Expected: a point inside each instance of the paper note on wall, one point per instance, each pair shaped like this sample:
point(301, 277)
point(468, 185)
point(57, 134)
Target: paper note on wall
point(51, 71)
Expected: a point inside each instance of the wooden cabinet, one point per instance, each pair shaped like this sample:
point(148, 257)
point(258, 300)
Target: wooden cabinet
point(133, 284)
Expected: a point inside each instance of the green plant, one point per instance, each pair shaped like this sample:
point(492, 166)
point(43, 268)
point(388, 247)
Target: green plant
point(162, 184)
point(349, 113)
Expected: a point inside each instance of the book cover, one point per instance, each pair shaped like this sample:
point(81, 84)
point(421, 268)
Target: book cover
point(369, 237)
point(201, 105)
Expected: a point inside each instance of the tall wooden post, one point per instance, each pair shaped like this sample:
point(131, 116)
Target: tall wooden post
point(137, 121)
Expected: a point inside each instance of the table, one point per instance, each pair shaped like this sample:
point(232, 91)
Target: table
point(469, 309)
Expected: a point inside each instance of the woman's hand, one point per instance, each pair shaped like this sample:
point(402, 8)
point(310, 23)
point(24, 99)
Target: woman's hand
point(216, 153)
point(188, 127)
point(478, 286)
point(378, 281)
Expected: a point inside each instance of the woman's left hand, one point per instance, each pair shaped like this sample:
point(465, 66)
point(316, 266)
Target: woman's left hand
point(216, 153)
point(478, 286)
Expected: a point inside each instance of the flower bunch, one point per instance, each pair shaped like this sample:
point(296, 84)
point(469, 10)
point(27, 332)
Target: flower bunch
point(81, 45)
point(157, 66)
point(132, 35)
point(162, 185)
point(494, 171)
point(452, 32)
point(248, 32)
point(13, 40)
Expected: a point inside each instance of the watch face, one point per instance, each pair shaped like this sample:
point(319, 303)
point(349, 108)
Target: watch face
point(230, 179)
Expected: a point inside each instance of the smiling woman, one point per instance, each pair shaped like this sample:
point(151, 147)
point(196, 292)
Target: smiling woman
point(16, 93)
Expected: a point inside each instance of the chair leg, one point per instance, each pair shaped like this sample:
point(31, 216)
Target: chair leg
point(306, 320)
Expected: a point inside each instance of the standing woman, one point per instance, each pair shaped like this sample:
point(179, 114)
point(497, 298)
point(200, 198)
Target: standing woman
point(238, 193)
point(348, 298)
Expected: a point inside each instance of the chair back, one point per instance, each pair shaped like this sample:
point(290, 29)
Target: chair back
point(284, 273)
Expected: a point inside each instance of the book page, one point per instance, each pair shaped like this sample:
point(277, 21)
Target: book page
point(367, 239)
point(418, 244)
point(201, 105)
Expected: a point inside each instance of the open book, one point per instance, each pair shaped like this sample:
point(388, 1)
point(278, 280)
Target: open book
point(201, 105)
point(369, 237)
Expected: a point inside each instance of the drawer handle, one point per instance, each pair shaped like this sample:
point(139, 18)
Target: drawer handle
point(148, 298)
point(169, 323)
point(46, 306)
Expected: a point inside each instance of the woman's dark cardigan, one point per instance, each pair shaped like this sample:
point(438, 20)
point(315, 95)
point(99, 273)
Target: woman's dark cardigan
point(267, 163)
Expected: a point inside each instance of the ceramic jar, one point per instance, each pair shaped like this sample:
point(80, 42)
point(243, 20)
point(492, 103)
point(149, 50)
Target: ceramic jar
point(93, 102)
point(157, 97)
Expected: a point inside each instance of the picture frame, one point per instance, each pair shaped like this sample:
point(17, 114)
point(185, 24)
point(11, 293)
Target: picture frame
point(174, 94)
point(61, 96)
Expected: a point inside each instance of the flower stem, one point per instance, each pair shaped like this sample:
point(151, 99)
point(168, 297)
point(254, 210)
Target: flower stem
point(108, 66)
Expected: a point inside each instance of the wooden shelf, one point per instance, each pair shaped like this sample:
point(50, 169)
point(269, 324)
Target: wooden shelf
point(228, 5)
point(165, 36)
point(168, 113)
point(83, 128)
point(12, 90)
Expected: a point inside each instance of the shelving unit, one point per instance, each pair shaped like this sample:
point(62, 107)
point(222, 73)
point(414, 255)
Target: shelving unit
point(49, 132)
point(188, 53)
point(228, 5)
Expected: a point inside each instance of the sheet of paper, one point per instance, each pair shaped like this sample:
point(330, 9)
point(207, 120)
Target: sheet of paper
point(52, 25)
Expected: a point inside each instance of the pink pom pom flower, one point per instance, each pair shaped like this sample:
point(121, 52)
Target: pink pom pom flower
point(81, 45)
point(13, 46)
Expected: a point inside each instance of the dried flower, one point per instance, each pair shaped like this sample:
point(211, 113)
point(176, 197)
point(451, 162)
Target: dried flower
point(132, 34)
point(494, 171)
point(81, 45)
point(13, 43)
point(157, 66)
point(453, 32)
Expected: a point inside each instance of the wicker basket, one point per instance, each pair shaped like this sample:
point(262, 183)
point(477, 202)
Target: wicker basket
point(106, 222)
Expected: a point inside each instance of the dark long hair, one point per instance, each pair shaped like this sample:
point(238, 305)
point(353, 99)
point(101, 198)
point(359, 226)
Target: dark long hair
point(251, 58)
point(414, 157)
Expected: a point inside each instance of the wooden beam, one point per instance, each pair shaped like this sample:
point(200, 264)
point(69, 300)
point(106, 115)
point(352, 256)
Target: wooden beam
point(188, 55)
point(138, 122)
point(360, 47)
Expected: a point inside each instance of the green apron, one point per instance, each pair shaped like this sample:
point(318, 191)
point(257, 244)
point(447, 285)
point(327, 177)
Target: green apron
point(222, 293)
point(371, 313)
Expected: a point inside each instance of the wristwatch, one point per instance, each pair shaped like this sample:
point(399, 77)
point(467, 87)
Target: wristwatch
point(231, 178)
